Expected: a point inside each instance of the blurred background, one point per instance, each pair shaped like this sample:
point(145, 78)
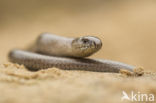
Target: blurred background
point(126, 27)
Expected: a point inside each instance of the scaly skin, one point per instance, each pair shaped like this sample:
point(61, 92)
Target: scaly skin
point(55, 45)
point(36, 61)
point(65, 53)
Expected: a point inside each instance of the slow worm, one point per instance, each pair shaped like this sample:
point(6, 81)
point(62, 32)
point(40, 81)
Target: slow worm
point(66, 53)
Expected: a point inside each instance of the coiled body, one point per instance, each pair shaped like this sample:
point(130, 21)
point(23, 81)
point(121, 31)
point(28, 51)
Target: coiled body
point(66, 53)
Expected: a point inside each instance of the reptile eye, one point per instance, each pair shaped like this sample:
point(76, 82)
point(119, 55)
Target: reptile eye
point(85, 40)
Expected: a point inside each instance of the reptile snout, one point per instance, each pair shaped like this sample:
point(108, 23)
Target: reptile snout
point(94, 41)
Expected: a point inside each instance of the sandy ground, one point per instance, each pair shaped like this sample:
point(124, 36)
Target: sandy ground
point(128, 32)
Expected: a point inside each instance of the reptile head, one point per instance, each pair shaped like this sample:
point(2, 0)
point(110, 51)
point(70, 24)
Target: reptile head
point(86, 45)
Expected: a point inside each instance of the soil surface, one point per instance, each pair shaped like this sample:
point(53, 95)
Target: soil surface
point(127, 30)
